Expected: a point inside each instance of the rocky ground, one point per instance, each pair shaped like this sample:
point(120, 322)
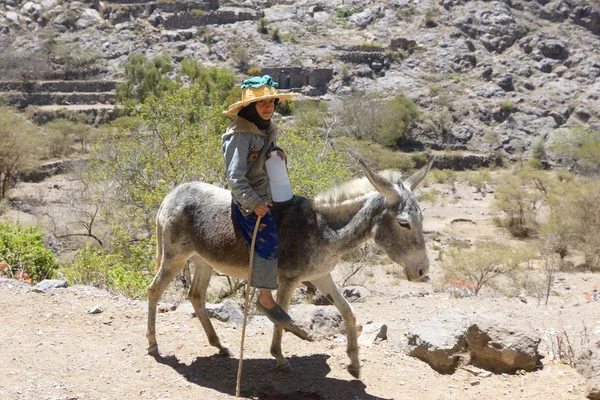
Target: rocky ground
point(84, 343)
point(487, 74)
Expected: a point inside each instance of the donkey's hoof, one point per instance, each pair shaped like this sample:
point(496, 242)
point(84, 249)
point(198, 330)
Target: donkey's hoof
point(153, 350)
point(285, 369)
point(354, 371)
point(226, 352)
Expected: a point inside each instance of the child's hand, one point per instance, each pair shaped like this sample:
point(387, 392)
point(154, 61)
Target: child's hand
point(262, 209)
point(281, 155)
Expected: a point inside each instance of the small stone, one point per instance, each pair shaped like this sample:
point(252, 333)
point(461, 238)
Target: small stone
point(475, 383)
point(95, 310)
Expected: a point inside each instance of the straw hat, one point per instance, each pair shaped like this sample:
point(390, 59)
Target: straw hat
point(256, 89)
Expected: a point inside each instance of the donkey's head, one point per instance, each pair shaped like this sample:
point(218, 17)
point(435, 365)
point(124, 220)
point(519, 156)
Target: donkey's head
point(399, 228)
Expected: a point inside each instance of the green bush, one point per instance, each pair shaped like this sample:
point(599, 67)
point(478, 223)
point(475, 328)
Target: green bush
point(24, 252)
point(126, 269)
point(21, 143)
point(484, 264)
point(370, 118)
point(344, 13)
point(262, 26)
point(580, 148)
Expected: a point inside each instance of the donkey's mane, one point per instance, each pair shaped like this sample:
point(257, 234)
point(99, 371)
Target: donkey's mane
point(353, 189)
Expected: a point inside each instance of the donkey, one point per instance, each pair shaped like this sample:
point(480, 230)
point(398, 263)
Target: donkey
point(196, 220)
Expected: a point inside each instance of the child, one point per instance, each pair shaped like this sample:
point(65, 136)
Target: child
point(249, 139)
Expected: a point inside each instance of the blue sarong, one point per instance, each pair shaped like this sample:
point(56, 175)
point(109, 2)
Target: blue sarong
point(267, 238)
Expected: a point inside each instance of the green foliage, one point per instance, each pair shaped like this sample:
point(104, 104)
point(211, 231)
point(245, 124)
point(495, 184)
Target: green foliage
point(62, 134)
point(507, 106)
point(369, 118)
point(240, 55)
point(74, 57)
point(575, 217)
point(520, 197)
point(580, 148)
point(429, 19)
point(286, 107)
point(197, 12)
point(313, 164)
point(125, 269)
point(484, 264)
point(429, 196)
point(434, 90)
point(254, 71)
point(289, 37)
point(538, 150)
point(262, 26)
point(439, 123)
point(145, 78)
point(21, 142)
point(381, 156)
point(275, 34)
point(479, 180)
point(344, 12)
point(311, 114)
point(178, 142)
point(23, 249)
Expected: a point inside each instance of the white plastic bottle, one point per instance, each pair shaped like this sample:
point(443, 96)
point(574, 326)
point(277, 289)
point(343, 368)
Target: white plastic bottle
point(281, 189)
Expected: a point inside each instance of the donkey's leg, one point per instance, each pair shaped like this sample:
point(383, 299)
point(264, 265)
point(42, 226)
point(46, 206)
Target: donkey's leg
point(328, 287)
point(197, 296)
point(169, 268)
point(284, 297)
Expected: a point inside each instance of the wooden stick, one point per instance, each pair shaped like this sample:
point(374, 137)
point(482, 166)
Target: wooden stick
point(239, 375)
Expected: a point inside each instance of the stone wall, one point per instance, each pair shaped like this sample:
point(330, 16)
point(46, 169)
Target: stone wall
point(219, 17)
point(298, 77)
point(91, 116)
point(364, 57)
point(22, 100)
point(59, 86)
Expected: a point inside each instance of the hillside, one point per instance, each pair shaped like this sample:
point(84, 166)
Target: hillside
point(486, 75)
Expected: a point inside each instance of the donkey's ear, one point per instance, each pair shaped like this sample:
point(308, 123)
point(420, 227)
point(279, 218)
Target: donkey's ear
point(381, 184)
point(413, 181)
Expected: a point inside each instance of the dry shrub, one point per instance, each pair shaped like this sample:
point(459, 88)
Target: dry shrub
point(483, 265)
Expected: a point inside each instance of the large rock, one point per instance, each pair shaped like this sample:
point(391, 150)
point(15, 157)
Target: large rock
point(493, 24)
point(502, 347)
point(441, 340)
point(48, 284)
point(588, 364)
point(226, 311)
point(319, 321)
point(88, 18)
point(490, 343)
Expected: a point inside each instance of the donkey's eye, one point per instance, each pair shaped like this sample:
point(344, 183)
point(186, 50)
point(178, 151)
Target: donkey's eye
point(404, 224)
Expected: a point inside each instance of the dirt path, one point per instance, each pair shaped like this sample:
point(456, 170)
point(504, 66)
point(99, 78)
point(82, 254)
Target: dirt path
point(52, 348)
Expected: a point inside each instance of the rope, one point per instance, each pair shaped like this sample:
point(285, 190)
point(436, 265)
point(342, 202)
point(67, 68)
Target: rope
point(239, 375)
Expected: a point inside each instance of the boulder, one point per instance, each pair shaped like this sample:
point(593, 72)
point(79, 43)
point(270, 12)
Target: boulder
point(453, 337)
point(441, 340)
point(588, 364)
point(500, 346)
point(88, 18)
point(48, 284)
point(226, 311)
point(371, 333)
point(319, 321)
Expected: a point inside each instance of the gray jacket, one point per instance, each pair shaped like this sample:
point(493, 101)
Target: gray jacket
point(244, 150)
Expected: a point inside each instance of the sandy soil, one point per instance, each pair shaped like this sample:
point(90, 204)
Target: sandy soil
point(52, 348)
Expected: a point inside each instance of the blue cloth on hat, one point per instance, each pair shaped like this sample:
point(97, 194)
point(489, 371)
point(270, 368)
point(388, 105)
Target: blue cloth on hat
point(258, 81)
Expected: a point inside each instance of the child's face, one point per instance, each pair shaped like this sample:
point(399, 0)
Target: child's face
point(265, 108)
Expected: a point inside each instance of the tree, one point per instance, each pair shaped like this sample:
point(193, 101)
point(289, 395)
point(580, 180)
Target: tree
point(144, 78)
point(20, 142)
point(580, 148)
point(370, 118)
point(483, 264)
